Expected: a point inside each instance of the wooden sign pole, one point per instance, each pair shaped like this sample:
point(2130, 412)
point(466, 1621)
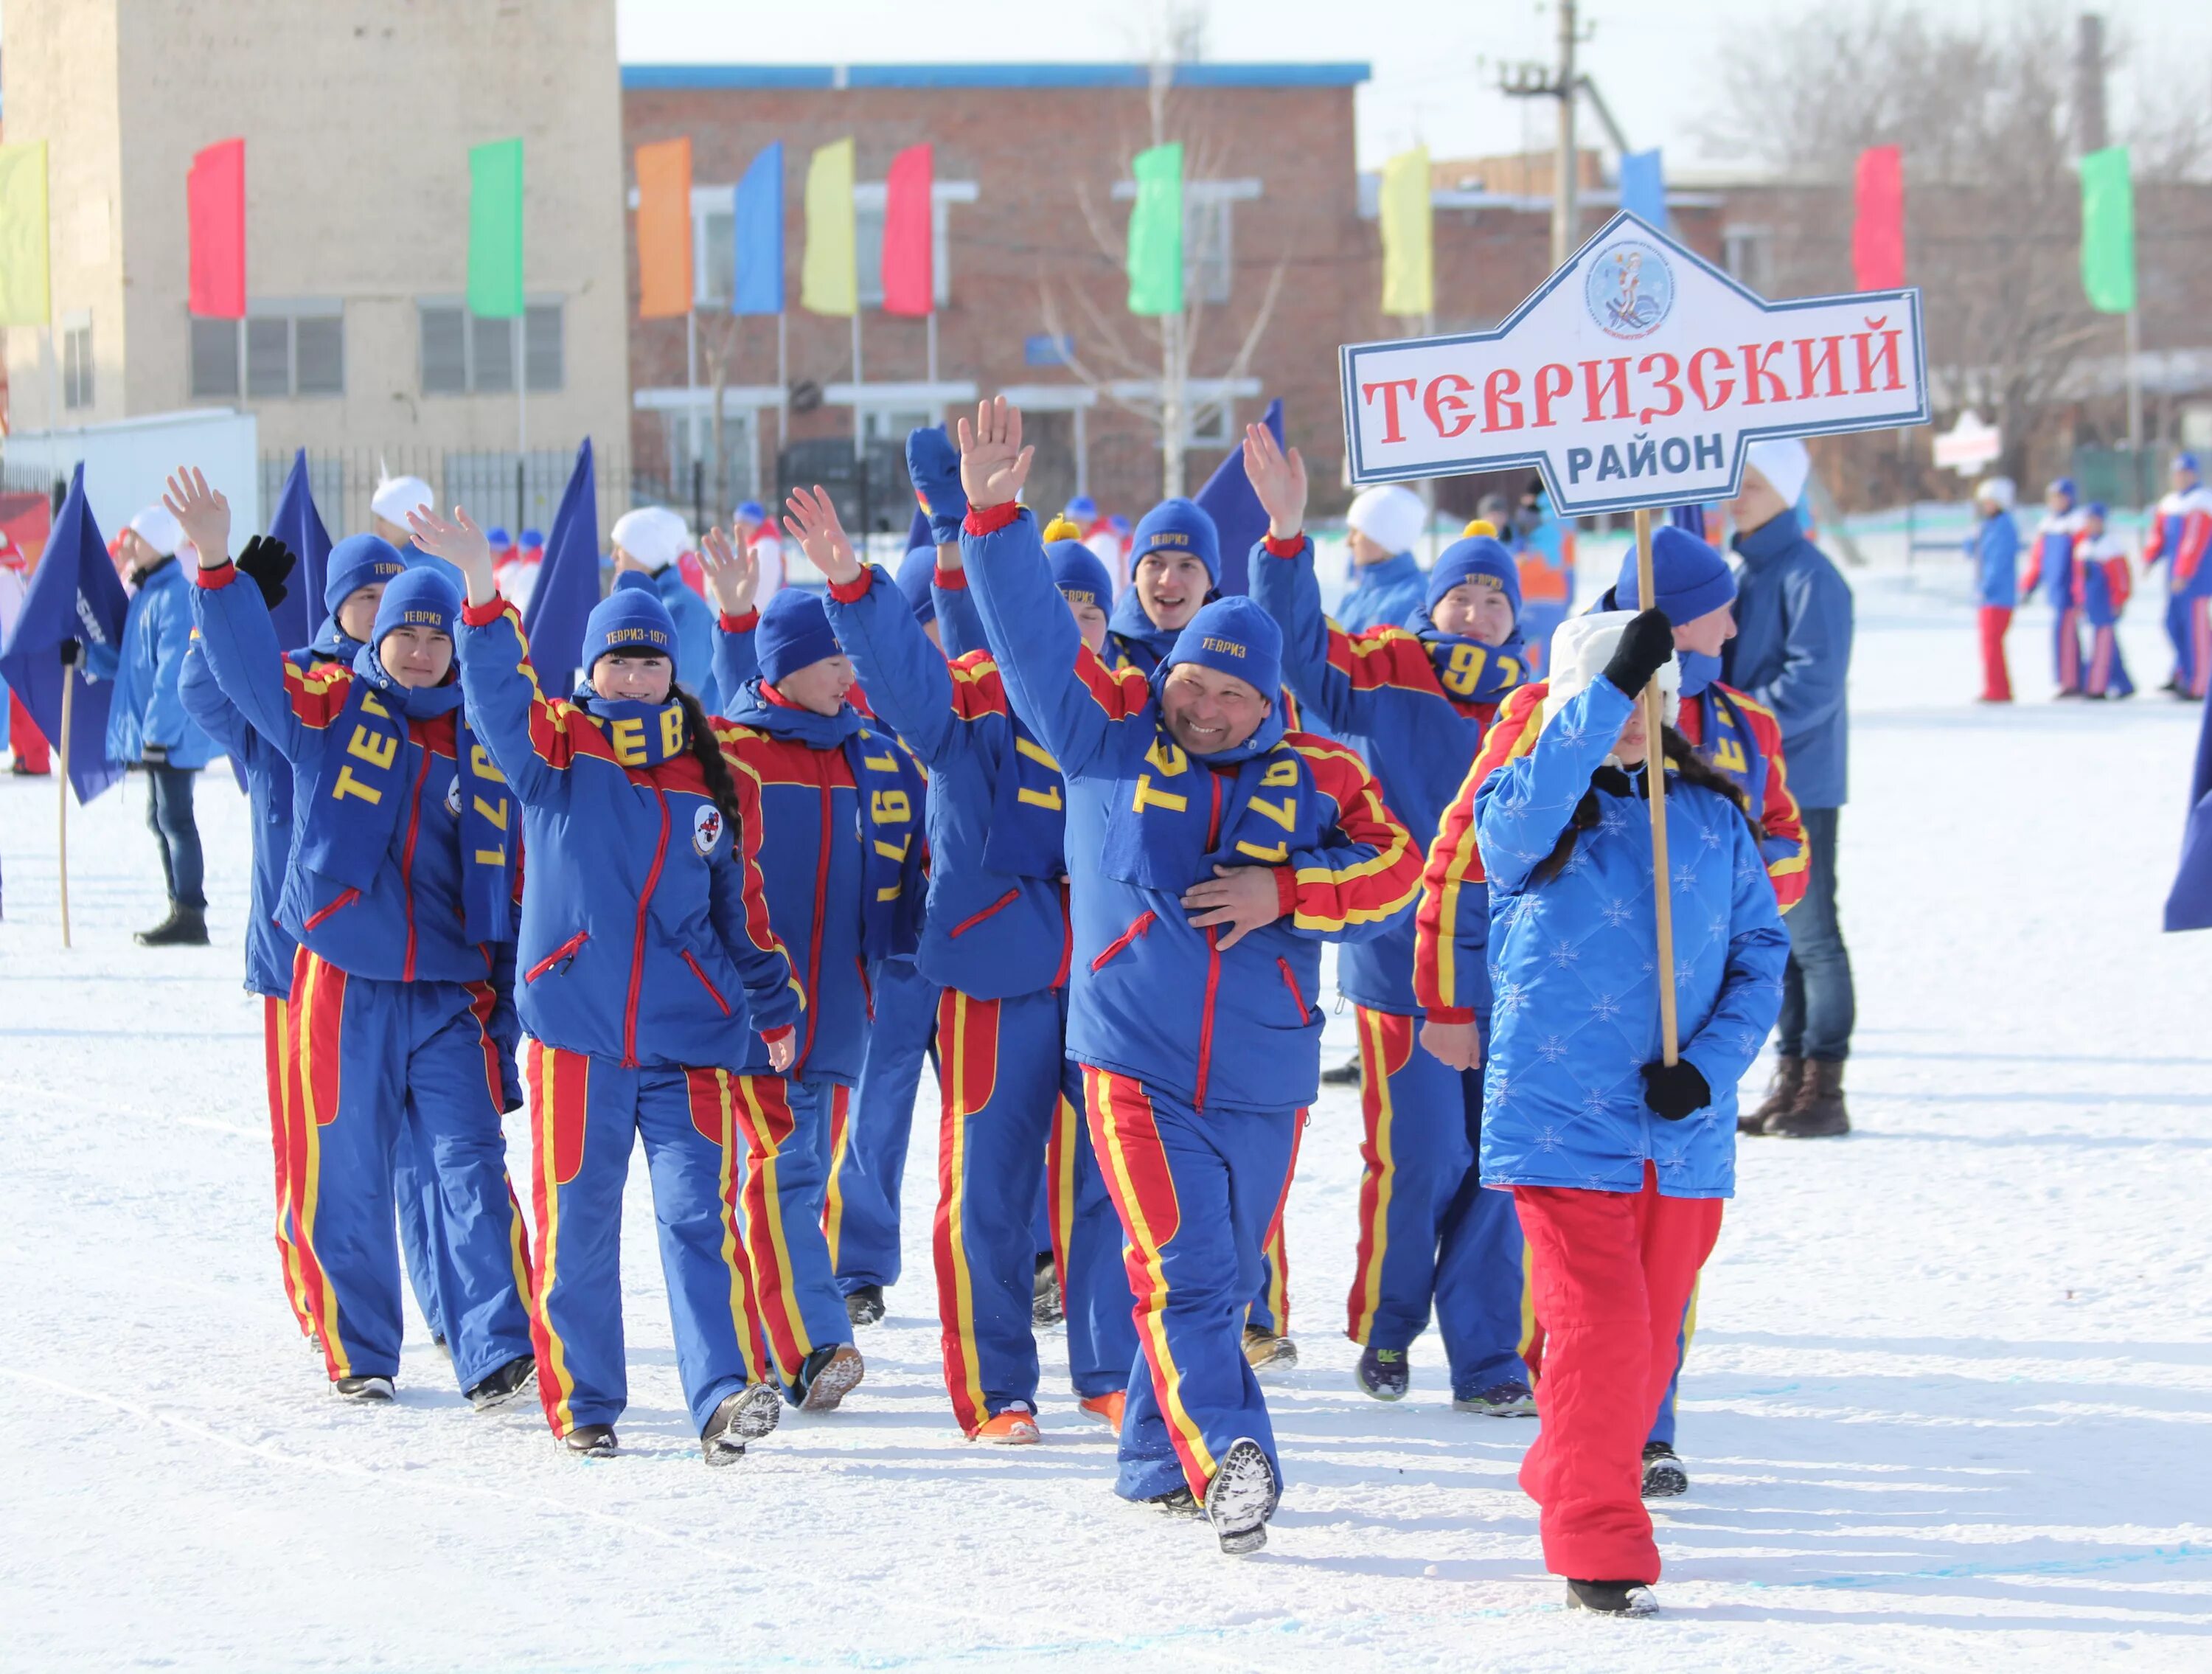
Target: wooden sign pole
point(1655, 776)
point(62, 785)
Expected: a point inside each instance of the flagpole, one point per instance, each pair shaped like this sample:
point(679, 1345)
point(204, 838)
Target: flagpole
point(521, 416)
point(62, 785)
point(782, 392)
point(859, 445)
point(1655, 776)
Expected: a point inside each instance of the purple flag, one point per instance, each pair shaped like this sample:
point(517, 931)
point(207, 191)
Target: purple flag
point(77, 597)
point(2189, 907)
point(296, 522)
point(1238, 514)
point(568, 582)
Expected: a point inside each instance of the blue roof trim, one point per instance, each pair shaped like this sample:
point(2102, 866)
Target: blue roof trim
point(824, 77)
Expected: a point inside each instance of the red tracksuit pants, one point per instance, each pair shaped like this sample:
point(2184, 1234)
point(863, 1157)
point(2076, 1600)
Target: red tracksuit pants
point(1997, 677)
point(1612, 1272)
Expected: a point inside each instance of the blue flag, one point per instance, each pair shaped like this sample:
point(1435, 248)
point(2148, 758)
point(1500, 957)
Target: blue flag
point(759, 234)
point(2189, 907)
point(1238, 514)
point(297, 523)
point(917, 533)
point(568, 582)
point(1644, 187)
point(75, 595)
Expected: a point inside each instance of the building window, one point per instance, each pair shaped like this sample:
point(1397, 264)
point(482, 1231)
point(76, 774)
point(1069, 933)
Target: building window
point(76, 363)
point(1209, 260)
point(281, 348)
point(214, 359)
point(715, 247)
point(464, 355)
point(1747, 253)
point(1211, 423)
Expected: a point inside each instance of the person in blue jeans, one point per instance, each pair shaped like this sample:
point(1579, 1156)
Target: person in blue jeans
point(1792, 652)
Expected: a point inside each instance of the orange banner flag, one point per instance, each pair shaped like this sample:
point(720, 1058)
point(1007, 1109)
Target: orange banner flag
point(664, 229)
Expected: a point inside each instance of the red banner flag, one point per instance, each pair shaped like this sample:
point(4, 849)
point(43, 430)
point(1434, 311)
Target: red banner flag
point(215, 202)
point(910, 268)
point(1878, 233)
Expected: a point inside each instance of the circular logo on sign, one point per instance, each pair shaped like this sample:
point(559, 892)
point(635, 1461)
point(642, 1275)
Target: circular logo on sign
point(453, 796)
point(1630, 289)
point(707, 829)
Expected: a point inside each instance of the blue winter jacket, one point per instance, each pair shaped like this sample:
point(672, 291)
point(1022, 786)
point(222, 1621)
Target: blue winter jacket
point(1575, 1015)
point(645, 936)
point(695, 637)
point(1230, 1029)
point(991, 932)
point(1995, 549)
point(1792, 652)
point(1381, 692)
point(1388, 594)
point(146, 711)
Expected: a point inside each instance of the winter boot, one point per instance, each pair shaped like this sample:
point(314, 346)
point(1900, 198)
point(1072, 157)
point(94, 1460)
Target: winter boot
point(591, 1441)
point(1345, 1075)
point(865, 1306)
point(1510, 1399)
point(1240, 1498)
point(503, 1384)
point(831, 1372)
point(1106, 1409)
point(1178, 1501)
point(1788, 1076)
point(1612, 1597)
point(185, 927)
point(362, 1389)
point(745, 1416)
point(1017, 1427)
point(1045, 1305)
point(1383, 1372)
point(1267, 1351)
point(1818, 1112)
point(1663, 1476)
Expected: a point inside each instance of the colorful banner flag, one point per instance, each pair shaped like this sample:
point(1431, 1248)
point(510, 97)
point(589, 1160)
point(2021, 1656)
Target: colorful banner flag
point(215, 207)
point(25, 297)
point(1156, 232)
point(664, 286)
point(75, 595)
point(495, 231)
point(568, 581)
point(759, 232)
point(2108, 231)
point(1878, 222)
point(909, 230)
point(297, 523)
point(829, 282)
point(1239, 519)
point(1409, 269)
point(1644, 187)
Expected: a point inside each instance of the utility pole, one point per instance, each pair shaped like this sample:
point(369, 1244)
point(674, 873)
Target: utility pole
point(1565, 217)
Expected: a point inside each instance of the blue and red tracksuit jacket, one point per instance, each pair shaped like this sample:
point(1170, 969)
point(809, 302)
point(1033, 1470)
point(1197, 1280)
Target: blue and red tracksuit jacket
point(1416, 706)
point(645, 937)
point(408, 923)
point(2102, 582)
point(997, 922)
point(1227, 1029)
point(2050, 559)
point(2180, 530)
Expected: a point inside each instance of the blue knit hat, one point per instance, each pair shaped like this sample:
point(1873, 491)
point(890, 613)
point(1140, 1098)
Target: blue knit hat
point(752, 509)
point(531, 538)
point(794, 630)
point(1237, 636)
point(1690, 579)
point(1077, 573)
point(916, 571)
point(497, 538)
point(418, 597)
point(1081, 506)
point(1179, 526)
point(358, 561)
point(2186, 461)
point(628, 619)
point(2096, 509)
point(1476, 555)
point(2063, 485)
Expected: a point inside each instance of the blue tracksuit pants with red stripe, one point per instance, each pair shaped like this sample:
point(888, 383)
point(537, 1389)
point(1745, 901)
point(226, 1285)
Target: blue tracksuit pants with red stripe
point(2066, 647)
point(1196, 1193)
point(586, 1115)
point(787, 1130)
point(373, 1059)
point(871, 1164)
point(1010, 1095)
point(1270, 1308)
point(1429, 1234)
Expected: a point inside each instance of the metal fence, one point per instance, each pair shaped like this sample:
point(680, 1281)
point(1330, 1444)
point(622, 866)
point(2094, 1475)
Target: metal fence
point(516, 491)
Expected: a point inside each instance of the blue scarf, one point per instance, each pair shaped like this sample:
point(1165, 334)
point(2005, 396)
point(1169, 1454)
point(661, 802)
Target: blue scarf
point(1142, 645)
point(641, 734)
point(890, 786)
point(352, 808)
point(1162, 811)
point(1028, 836)
point(1470, 672)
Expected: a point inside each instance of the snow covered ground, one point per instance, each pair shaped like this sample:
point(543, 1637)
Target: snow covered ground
point(1951, 1406)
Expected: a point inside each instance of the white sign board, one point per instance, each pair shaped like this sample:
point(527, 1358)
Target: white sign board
point(1968, 443)
point(1635, 376)
point(125, 462)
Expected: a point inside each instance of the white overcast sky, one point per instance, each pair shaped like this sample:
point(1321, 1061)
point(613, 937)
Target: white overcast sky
point(1435, 61)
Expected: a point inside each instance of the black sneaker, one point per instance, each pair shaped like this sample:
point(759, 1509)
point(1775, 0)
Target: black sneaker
point(1612, 1597)
point(591, 1441)
point(1177, 1502)
point(362, 1389)
point(503, 1384)
point(831, 1373)
point(865, 1306)
point(1663, 1475)
point(745, 1416)
point(1345, 1075)
point(1240, 1498)
point(1383, 1372)
point(1510, 1399)
point(1046, 1305)
point(185, 927)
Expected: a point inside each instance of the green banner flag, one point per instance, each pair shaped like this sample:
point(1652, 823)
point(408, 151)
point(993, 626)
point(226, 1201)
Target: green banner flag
point(496, 229)
point(2108, 231)
point(1156, 232)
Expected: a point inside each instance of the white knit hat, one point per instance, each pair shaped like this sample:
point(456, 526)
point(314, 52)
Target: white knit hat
point(396, 497)
point(1580, 647)
point(1389, 516)
point(1784, 463)
point(1997, 491)
point(159, 529)
point(655, 536)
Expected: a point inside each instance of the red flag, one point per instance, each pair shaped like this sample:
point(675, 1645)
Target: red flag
point(909, 270)
point(214, 201)
point(1878, 233)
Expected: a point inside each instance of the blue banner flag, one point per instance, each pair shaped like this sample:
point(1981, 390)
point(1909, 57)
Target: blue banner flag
point(2189, 907)
point(297, 523)
point(759, 288)
point(1236, 510)
point(568, 582)
point(75, 595)
point(1644, 187)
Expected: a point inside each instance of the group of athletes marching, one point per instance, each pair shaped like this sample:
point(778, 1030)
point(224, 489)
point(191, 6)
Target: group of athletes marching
point(1078, 849)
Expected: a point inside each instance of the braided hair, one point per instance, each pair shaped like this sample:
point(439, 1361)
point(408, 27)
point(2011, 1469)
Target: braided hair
point(1689, 766)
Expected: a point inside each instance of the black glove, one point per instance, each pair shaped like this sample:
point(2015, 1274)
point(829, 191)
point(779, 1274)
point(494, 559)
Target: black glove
point(270, 563)
point(1645, 645)
point(72, 653)
point(1675, 1090)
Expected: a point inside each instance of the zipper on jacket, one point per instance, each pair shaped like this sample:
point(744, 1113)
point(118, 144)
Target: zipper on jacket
point(1298, 999)
point(407, 858)
point(706, 983)
point(1213, 963)
point(344, 897)
point(1137, 926)
point(821, 760)
point(637, 946)
point(566, 950)
point(974, 919)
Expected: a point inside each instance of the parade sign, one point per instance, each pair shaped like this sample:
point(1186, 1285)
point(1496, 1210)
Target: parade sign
point(1635, 376)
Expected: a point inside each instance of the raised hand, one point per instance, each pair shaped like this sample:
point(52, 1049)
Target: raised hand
point(1278, 479)
point(732, 572)
point(460, 543)
point(994, 464)
point(814, 525)
point(203, 513)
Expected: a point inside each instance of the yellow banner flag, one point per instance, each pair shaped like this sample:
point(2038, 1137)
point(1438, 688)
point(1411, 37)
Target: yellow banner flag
point(1409, 273)
point(829, 279)
point(25, 296)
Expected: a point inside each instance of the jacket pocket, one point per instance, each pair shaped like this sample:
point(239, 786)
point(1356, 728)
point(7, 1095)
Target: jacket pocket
point(1142, 922)
point(974, 919)
point(1291, 982)
point(343, 898)
point(705, 983)
point(566, 950)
